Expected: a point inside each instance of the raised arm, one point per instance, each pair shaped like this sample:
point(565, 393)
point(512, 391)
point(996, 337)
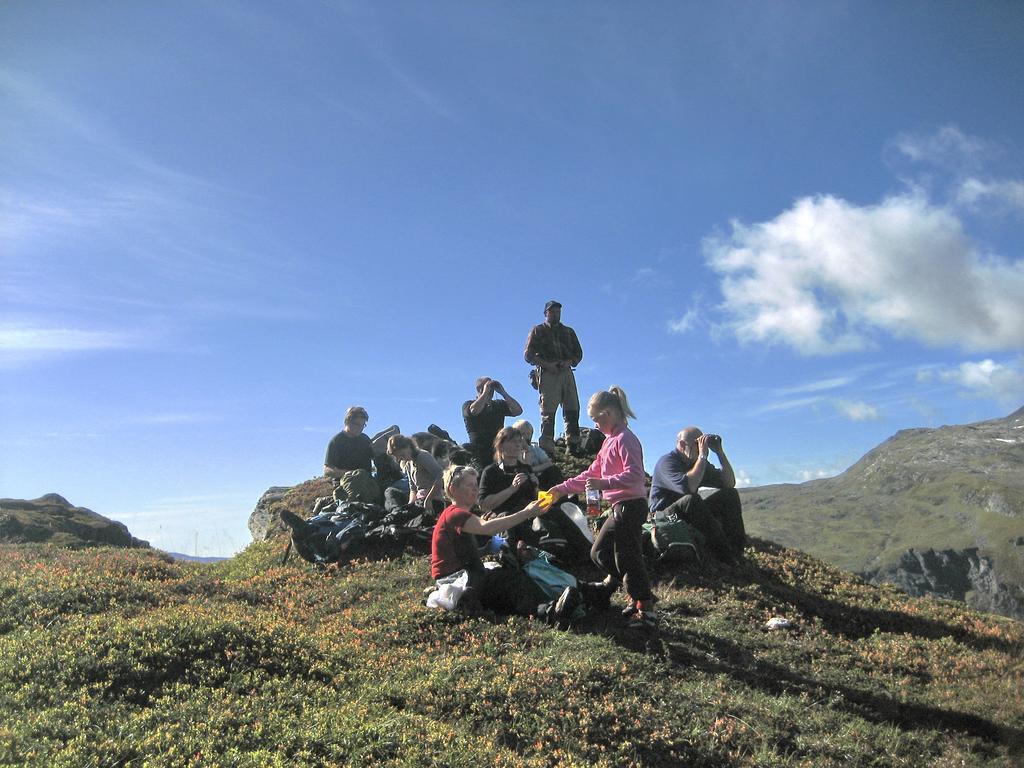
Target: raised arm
point(728, 476)
point(485, 396)
point(498, 524)
point(514, 408)
point(696, 473)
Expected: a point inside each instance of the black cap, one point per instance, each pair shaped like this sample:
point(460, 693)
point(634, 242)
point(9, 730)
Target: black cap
point(551, 304)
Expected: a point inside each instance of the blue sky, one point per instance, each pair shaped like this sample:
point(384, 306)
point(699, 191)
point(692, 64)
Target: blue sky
point(222, 223)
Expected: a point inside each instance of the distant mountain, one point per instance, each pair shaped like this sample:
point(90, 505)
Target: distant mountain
point(52, 519)
point(195, 558)
point(935, 511)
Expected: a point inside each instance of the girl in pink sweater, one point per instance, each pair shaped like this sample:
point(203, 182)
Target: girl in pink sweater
point(618, 472)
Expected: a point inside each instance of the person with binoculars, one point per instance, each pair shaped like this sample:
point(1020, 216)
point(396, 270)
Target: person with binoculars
point(674, 491)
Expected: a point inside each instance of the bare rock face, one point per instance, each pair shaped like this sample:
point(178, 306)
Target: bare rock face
point(265, 520)
point(52, 519)
point(955, 575)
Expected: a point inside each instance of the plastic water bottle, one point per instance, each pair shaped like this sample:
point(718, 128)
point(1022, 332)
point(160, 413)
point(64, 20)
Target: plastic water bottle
point(593, 502)
point(495, 544)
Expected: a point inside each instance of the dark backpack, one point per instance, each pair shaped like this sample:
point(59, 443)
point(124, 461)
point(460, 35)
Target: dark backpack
point(672, 541)
point(329, 538)
point(335, 534)
point(591, 441)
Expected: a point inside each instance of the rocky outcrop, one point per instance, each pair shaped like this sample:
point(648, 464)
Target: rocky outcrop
point(53, 519)
point(265, 520)
point(956, 575)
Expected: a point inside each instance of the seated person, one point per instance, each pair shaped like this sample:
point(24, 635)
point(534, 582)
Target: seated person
point(484, 416)
point(350, 449)
point(348, 461)
point(679, 474)
point(548, 473)
point(509, 484)
point(423, 471)
point(504, 590)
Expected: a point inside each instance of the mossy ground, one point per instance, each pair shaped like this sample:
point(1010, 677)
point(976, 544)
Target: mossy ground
point(123, 658)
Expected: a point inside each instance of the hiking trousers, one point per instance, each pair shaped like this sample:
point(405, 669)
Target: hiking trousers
point(618, 547)
point(719, 517)
point(504, 590)
point(558, 388)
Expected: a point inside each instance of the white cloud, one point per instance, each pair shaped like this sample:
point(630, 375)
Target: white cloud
point(743, 479)
point(684, 323)
point(22, 345)
point(987, 378)
point(789, 405)
point(814, 474)
point(644, 275)
point(1004, 194)
point(857, 410)
point(949, 148)
point(827, 275)
point(28, 339)
point(816, 386)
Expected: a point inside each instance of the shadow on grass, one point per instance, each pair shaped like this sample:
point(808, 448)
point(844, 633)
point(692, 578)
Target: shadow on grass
point(846, 619)
point(718, 655)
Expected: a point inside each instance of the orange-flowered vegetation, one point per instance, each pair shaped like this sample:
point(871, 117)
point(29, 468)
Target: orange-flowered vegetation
point(125, 658)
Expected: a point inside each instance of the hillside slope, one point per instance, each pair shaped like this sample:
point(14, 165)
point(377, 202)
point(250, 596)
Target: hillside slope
point(958, 490)
point(124, 657)
point(54, 520)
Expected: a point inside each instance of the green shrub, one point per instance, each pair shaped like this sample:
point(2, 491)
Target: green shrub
point(120, 658)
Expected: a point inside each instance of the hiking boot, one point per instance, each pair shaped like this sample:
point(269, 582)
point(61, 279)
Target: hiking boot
point(299, 526)
point(645, 620)
point(595, 594)
point(436, 431)
point(630, 608)
point(565, 607)
point(548, 445)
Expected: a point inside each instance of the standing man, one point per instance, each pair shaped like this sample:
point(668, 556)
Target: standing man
point(679, 474)
point(485, 417)
point(554, 350)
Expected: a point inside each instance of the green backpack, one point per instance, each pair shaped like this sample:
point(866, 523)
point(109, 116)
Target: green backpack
point(672, 541)
point(358, 485)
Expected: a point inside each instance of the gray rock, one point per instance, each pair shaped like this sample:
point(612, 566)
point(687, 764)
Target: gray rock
point(264, 522)
point(955, 575)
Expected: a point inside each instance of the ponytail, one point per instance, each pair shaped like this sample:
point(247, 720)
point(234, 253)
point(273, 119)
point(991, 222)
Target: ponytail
point(620, 393)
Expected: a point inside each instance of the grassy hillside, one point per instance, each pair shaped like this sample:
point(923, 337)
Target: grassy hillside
point(125, 658)
point(954, 487)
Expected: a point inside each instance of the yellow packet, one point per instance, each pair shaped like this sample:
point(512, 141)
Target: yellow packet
point(546, 499)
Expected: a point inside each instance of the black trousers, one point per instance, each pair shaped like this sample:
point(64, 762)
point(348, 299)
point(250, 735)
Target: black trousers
point(618, 548)
point(503, 590)
point(719, 517)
